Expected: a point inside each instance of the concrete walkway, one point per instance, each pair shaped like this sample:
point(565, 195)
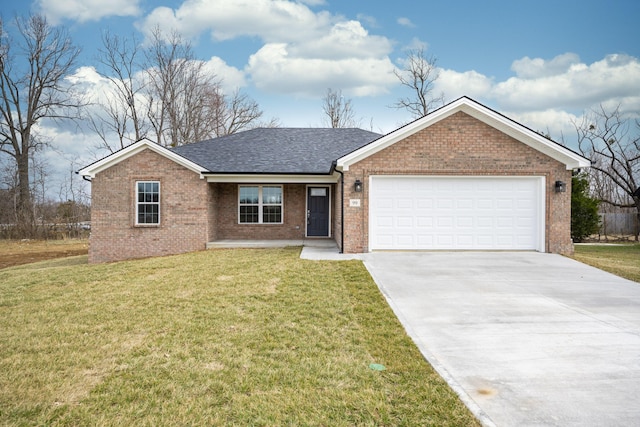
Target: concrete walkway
point(525, 338)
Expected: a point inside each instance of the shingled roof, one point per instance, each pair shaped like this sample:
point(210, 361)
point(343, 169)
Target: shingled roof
point(276, 150)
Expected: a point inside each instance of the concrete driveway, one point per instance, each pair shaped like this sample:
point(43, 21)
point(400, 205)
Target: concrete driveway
point(525, 338)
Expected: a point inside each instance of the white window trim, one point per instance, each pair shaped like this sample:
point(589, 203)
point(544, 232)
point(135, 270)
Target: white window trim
point(261, 205)
point(148, 224)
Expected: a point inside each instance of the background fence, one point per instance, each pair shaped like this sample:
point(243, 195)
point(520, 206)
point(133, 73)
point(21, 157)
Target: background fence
point(619, 224)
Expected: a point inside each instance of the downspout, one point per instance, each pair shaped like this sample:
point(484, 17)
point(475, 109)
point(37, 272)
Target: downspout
point(341, 210)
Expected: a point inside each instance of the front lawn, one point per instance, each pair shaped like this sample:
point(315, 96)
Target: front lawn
point(622, 260)
point(228, 337)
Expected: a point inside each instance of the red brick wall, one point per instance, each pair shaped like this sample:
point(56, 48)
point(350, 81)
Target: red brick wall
point(212, 208)
point(294, 221)
point(184, 213)
point(460, 145)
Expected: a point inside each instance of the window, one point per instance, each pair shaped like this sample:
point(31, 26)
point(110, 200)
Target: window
point(260, 204)
point(147, 202)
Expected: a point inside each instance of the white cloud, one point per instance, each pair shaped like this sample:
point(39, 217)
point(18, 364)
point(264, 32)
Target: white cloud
point(312, 2)
point(469, 83)
point(86, 10)
point(304, 52)
point(547, 95)
point(405, 22)
point(572, 85)
point(91, 85)
point(416, 44)
point(367, 19)
point(273, 70)
point(556, 123)
point(85, 75)
point(230, 77)
point(561, 83)
point(347, 39)
point(272, 21)
point(527, 68)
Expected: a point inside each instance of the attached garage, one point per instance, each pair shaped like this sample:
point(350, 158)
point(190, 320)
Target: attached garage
point(463, 177)
point(456, 213)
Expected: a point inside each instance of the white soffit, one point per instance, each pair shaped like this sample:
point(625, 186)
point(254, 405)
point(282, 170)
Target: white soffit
point(515, 130)
point(132, 150)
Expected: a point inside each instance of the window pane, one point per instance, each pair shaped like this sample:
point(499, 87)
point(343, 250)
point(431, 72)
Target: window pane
point(248, 214)
point(148, 202)
point(148, 214)
point(249, 195)
point(272, 195)
point(271, 214)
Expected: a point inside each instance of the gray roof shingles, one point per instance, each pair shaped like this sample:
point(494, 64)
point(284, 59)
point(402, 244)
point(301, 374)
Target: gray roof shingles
point(277, 150)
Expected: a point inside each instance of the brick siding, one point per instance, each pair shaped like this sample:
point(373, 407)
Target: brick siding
point(183, 215)
point(460, 145)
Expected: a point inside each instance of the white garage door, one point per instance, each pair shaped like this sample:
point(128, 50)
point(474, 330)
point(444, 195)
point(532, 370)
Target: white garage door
point(443, 213)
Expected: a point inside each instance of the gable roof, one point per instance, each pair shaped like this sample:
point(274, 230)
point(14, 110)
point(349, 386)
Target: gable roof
point(276, 150)
point(133, 149)
point(533, 139)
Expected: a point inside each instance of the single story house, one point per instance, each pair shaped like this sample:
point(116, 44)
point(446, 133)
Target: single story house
point(463, 177)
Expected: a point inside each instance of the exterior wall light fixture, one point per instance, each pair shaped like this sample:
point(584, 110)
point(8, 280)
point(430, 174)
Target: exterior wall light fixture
point(357, 186)
point(561, 186)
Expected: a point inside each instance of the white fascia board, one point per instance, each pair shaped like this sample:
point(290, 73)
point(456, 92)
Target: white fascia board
point(133, 149)
point(521, 133)
point(273, 179)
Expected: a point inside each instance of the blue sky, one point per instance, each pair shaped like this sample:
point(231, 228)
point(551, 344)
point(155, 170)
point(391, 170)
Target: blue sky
point(540, 62)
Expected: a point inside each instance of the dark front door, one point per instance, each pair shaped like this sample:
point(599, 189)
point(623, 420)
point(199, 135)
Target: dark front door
point(318, 211)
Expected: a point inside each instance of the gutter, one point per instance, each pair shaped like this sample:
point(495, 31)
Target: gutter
point(84, 176)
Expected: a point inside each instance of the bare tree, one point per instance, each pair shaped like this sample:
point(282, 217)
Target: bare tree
point(32, 72)
point(124, 113)
point(164, 92)
point(237, 112)
point(419, 75)
point(612, 143)
point(182, 94)
point(339, 111)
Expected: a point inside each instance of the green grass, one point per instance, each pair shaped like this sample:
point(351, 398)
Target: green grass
point(229, 337)
point(622, 260)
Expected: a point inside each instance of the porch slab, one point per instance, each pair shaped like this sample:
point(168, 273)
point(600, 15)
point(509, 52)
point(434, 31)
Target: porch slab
point(230, 243)
point(227, 244)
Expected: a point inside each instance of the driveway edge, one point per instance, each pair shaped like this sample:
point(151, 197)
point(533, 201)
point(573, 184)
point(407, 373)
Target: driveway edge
point(482, 416)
